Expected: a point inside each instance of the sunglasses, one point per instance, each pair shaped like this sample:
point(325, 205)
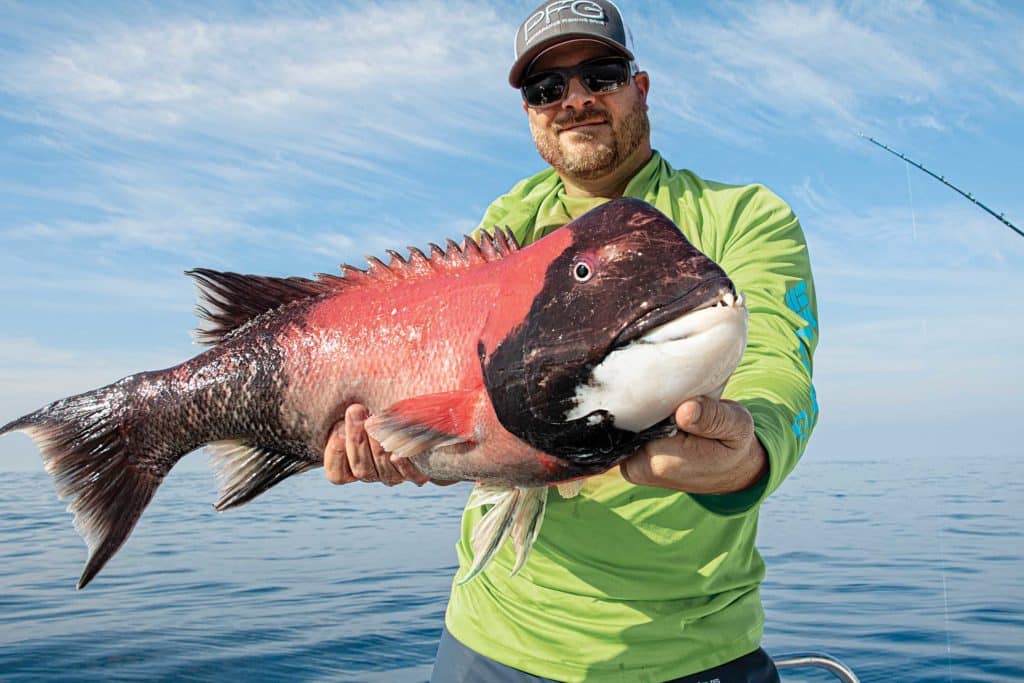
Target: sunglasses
point(599, 76)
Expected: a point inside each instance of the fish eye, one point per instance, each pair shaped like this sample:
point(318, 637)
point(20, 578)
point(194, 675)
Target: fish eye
point(582, 270)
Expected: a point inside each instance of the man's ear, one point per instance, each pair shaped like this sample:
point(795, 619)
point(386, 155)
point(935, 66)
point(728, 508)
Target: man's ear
point(525, 108)
point(643, 82)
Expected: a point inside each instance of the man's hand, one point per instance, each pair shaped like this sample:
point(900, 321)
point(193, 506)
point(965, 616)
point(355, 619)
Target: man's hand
point(353, 455)
point(716, 451)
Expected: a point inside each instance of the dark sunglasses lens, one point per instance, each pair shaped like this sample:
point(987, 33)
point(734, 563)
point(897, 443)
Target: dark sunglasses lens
point(598, 76)
point(544, 89)
point(604, 76)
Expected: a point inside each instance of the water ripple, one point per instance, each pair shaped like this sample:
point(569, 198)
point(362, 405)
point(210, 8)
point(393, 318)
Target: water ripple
point(895, 565)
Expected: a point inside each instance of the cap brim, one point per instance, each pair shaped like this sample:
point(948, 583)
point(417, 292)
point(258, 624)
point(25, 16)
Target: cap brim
point(515, 76)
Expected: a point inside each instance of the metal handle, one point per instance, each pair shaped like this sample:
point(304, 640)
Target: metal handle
point(817, 659)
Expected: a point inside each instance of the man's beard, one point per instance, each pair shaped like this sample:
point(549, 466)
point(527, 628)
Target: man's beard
point(593, 158)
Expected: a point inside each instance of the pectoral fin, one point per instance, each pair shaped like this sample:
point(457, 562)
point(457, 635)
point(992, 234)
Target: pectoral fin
point(422, 423)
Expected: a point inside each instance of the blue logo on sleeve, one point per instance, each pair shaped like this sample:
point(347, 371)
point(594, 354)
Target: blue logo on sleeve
point(799, 302)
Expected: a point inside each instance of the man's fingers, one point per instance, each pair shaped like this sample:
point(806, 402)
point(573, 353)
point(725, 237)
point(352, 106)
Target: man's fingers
point(382, 461)
point(635, 470)
point(357, 445)
point(409, 470)
point(644, 469)
point(351, 454)
point(335, 459)
point(726, 421)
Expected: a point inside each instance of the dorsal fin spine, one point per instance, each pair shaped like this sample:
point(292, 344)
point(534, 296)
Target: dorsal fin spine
point(472, 251)
point(505, 245)
point(488, 248)
point(352, 273)
point(378, 269)
point(419, 264)
point(452, 248)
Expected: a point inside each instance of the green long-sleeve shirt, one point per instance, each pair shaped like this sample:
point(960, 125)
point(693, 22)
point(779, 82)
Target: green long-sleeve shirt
point(634, 583)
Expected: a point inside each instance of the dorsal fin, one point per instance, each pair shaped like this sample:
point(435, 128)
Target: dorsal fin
point(227, 301)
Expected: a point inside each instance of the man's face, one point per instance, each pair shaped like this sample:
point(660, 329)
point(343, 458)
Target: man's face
point(587, 136)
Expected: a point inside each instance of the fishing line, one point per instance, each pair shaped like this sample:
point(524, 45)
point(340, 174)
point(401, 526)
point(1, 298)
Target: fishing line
point(938, 530)
point(945, 606)
point(924, 330)
point(910, 194)
point(942, 179)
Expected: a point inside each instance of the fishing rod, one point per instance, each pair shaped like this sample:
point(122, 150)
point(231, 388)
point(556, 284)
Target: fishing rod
point(942, 179)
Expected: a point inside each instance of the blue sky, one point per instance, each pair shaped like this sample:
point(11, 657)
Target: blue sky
point(140, 140)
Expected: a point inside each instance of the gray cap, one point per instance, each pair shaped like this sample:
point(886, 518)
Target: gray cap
point(559, 21)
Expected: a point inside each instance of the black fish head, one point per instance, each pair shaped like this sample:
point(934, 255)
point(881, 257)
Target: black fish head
point(622, 331)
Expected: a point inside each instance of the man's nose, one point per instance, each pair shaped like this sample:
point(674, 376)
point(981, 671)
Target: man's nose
point(577, 96)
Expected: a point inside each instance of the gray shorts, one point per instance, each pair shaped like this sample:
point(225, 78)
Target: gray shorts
point(456, 663)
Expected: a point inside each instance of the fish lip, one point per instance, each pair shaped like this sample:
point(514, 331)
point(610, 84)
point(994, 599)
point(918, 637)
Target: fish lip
point(704, 294)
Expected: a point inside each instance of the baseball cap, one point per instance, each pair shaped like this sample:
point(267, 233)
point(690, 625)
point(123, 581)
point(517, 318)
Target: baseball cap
point(559, 21)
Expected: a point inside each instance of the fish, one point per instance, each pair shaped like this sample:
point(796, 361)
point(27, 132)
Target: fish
point(519, 369)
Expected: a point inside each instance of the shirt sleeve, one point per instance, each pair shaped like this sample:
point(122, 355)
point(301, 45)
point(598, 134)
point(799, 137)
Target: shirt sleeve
point(765, 255)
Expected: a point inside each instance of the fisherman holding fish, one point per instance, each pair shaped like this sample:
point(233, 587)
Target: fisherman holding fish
point(624, 391)
point(650, 573)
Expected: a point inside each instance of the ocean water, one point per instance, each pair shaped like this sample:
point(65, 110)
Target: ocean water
point(908, 569)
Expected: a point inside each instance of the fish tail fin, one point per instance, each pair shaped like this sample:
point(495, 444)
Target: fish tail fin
point(517, 512)
point(85, 445)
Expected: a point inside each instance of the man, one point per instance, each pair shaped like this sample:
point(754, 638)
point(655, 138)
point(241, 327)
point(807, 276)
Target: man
point(650, 574)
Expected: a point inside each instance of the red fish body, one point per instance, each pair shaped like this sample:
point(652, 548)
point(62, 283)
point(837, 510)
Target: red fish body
point(413, 333)
point(512, 368)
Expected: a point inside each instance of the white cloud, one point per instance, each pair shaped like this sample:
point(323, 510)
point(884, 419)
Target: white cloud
point(34, 284)
point(364, 68)
point(197, 130)
point(927, 121)
point(922, 242)
point(828, 69)
point(914, 326)
point(194, 132)
point(921, 367)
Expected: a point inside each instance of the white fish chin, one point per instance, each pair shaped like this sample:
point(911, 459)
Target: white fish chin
point(644, 382)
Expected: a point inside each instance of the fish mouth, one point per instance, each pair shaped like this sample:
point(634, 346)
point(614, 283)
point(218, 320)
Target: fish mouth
point(718, 291)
